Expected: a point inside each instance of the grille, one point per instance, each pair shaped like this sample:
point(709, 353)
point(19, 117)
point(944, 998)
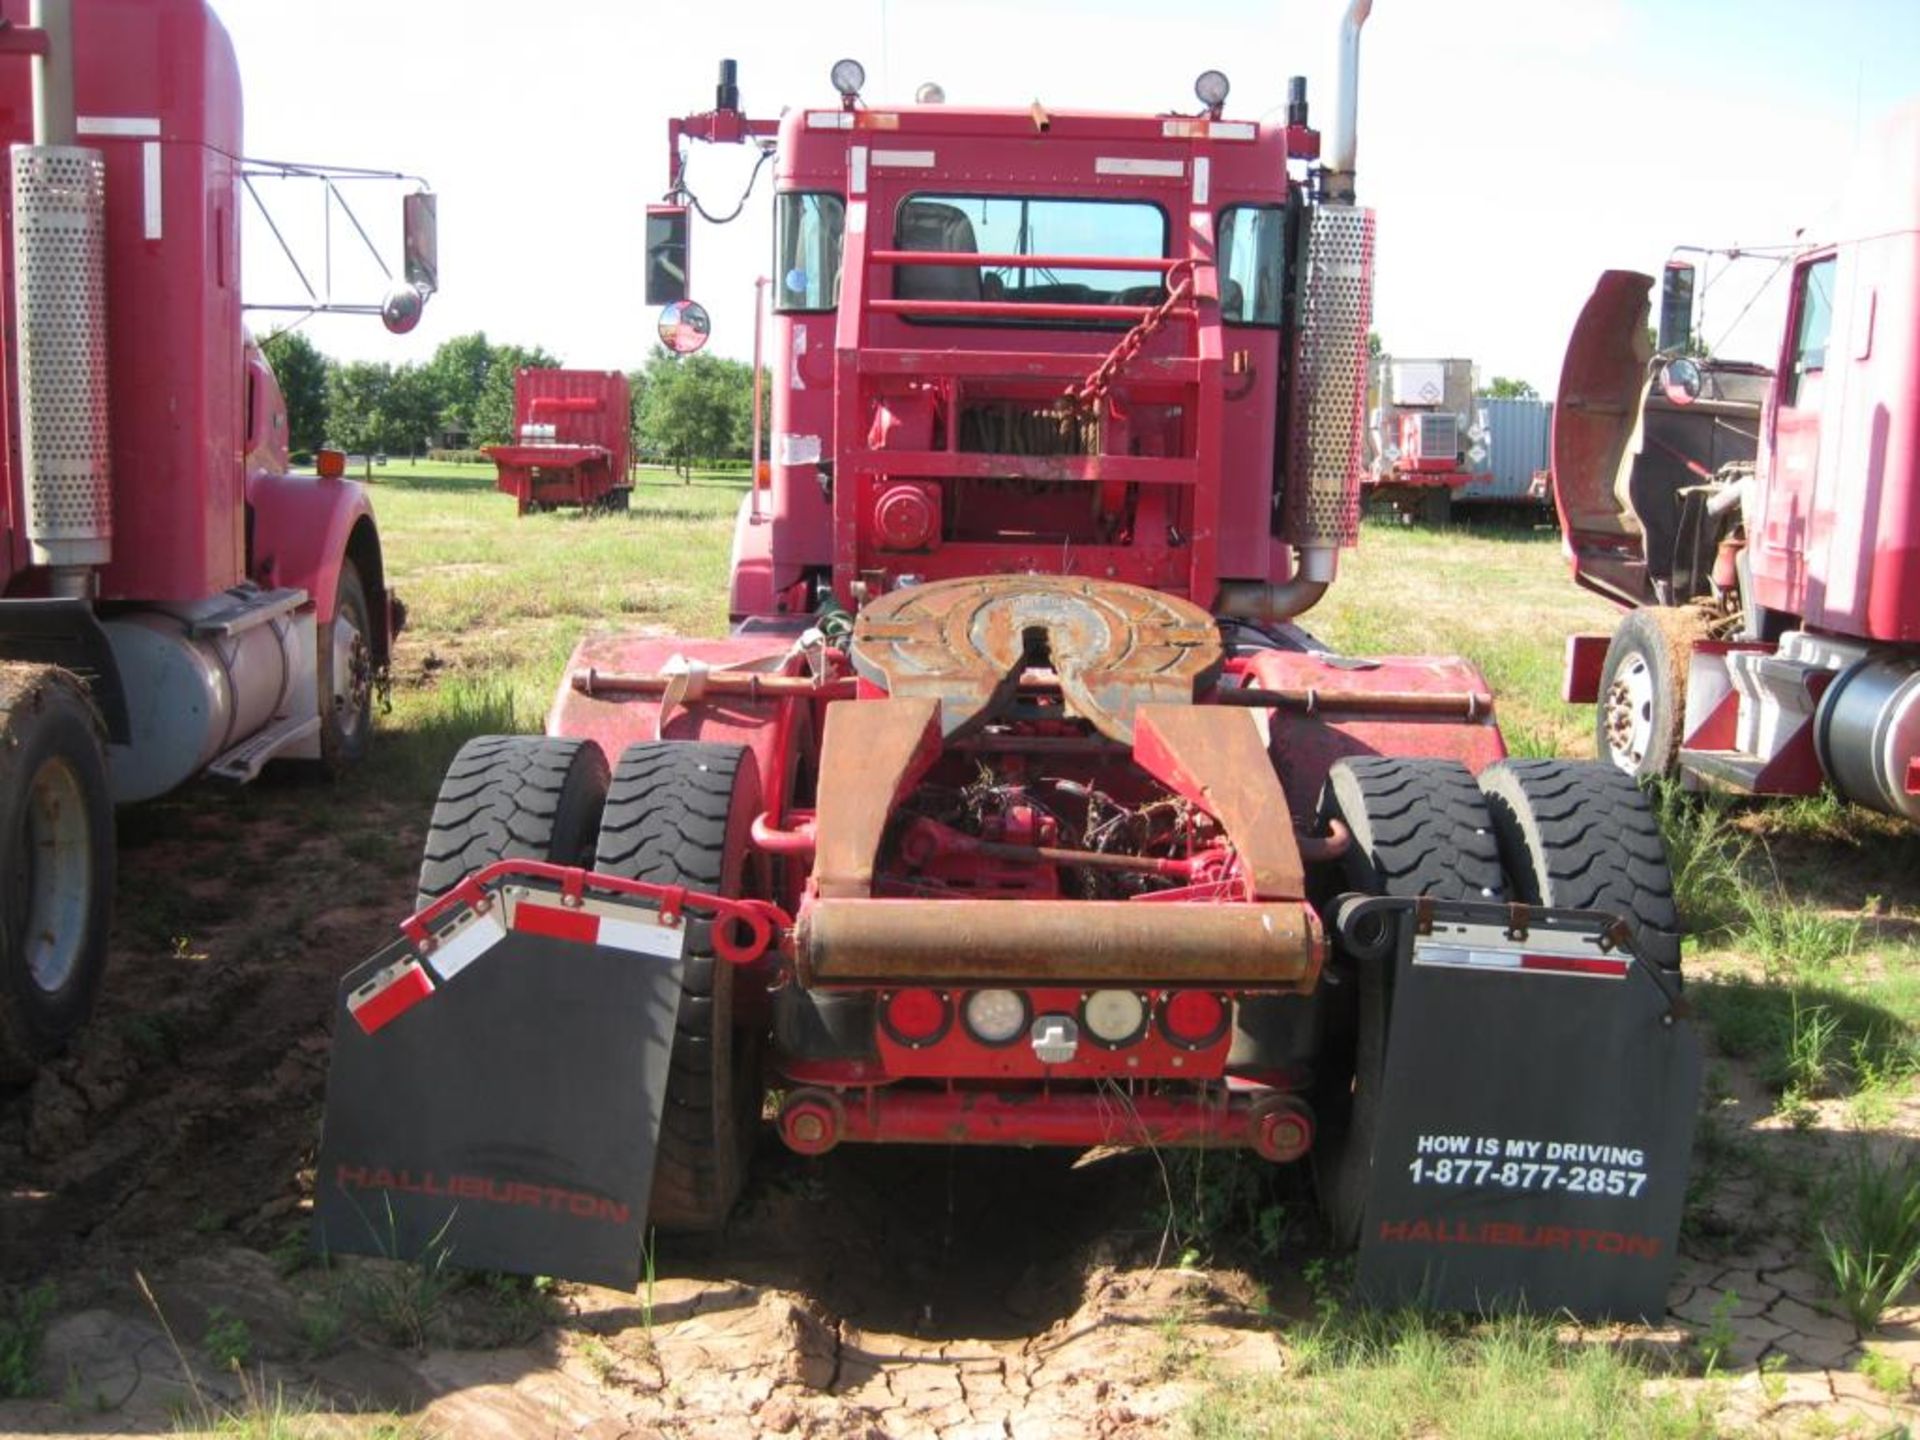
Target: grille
point(60, 295)
point(1439, 437)
point(1336, 304)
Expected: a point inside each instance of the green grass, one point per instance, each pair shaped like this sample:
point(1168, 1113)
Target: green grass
point(1870, 1236)
point(23, 1328)
point(497, 602)
point(1354, 1374)
point(1500, 596)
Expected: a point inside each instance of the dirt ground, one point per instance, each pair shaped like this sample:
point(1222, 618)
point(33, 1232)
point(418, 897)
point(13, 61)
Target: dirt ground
point(901, 1294)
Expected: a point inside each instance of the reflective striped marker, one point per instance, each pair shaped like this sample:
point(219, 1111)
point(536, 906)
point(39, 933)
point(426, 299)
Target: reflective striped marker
point(390, 994)
point(1462, 957)
point(642, 936)
point(467, 944)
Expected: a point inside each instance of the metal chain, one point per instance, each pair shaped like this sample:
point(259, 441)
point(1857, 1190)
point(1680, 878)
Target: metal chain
point(1091, 391)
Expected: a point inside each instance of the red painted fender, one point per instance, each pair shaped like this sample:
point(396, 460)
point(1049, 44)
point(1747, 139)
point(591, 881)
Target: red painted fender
point(302, 527)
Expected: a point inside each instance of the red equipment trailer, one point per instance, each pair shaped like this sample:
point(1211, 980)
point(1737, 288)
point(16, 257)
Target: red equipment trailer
point(1761, 523)
point(572, 431)
point(174, 601)
point(1015, 809)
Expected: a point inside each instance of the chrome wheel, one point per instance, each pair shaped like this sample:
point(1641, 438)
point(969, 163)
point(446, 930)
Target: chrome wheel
point(53, 876)
point(1626, 714)
point(352, 675)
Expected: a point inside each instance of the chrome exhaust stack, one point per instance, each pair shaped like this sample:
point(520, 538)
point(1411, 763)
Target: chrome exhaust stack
point(60, 298)
point(1336, 167)
point(1335, 309)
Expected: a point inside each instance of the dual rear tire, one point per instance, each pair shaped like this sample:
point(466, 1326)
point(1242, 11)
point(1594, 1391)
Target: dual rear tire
point(671, 813)
point(1543, 832)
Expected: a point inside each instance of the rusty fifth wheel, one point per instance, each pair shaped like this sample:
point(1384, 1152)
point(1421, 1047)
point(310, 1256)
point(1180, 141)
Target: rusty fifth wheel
point(967, 642)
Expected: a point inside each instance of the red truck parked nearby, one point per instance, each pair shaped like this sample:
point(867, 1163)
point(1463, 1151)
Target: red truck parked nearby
point(1760, 521)
point(172, 600)
point(1016, 808)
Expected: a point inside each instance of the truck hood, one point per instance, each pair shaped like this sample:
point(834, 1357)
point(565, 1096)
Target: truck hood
point(1596, 410)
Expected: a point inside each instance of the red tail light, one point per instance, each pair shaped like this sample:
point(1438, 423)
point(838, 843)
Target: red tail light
point(915, 1017)
point(1194, 1019)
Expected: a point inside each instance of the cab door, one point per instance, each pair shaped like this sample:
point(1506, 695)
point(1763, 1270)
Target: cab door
point(1791, 466)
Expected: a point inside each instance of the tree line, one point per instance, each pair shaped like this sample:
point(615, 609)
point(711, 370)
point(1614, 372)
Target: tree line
point(687, 410)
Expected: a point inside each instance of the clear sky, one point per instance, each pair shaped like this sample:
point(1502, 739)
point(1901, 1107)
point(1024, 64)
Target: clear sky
point(1513, 148)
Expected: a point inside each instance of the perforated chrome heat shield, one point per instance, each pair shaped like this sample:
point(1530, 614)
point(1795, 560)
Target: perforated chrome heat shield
point(60, 295)
point(1330, 395)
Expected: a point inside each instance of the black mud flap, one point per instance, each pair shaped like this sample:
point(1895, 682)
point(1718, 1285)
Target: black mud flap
point(1536, 1118)
point(495, 1099)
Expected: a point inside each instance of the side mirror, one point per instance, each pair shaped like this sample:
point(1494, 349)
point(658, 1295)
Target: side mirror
point(400, 311)
point(1681, 380)
point(667, 279)
point(1676, 306)
point(684, 326)
point(420, 228)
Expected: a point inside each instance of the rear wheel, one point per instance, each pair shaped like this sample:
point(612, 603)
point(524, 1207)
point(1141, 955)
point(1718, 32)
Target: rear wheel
point(1583, 836)
point(513, 797)
point(678, 813)
point(1420, 827)
point(56, 864)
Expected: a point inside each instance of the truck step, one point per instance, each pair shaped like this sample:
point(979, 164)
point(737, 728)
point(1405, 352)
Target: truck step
point(245, 761)
point(1734, 769)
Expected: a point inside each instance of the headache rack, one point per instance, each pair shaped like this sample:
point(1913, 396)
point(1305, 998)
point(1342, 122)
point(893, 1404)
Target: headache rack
point(1028, 395)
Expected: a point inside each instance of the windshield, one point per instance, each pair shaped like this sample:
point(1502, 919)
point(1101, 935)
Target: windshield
point(1024, 225)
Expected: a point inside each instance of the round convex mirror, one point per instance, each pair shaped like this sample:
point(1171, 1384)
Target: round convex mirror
point(684, 326)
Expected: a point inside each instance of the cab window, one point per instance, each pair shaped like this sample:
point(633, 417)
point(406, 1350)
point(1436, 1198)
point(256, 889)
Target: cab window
point(808, 229)
point(1031, 225)
point(1813, 305)
point(1253, 263)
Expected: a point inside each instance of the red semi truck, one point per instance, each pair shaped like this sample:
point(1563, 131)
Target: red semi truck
point(173, 600)
point(1016, 808)
point(1761, 522)
point(571, 434)
point(1426, 434)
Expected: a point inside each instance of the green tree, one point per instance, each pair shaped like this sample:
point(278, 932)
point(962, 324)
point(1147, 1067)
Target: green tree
point(492, 422)
point(695, 408)
point(458, 373)
point(356, 405)
point(1502, 387)
point(302, 372)
point(410, 410)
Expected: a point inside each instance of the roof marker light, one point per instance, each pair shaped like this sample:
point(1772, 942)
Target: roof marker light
point(848, 77)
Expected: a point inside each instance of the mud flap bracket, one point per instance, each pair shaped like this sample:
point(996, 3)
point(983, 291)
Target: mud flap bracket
point(1535, 1114)
point(495, 1096)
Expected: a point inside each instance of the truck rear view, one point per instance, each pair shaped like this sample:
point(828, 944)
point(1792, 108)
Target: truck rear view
point(1016, 809)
